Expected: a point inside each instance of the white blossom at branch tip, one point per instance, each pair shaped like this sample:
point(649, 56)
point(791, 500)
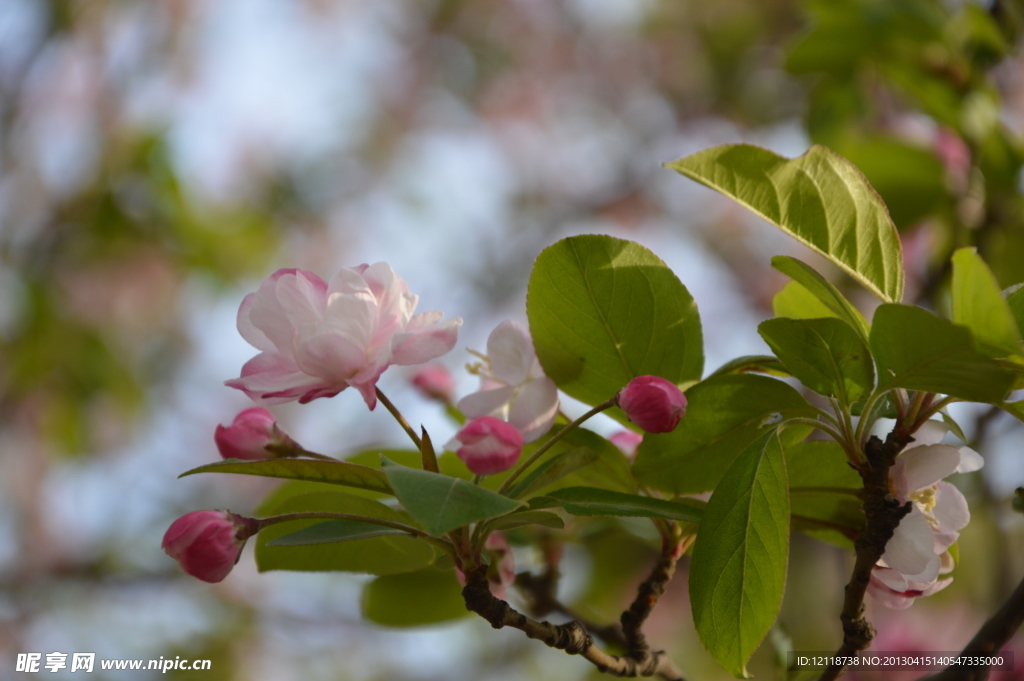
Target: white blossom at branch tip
point(513, 386)
point(918, 553)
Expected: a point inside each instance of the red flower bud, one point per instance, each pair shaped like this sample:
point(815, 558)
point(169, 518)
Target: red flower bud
point(435, 382)
point(207, 544)
point(249, 435)
point(653, 403)
point(489, 445)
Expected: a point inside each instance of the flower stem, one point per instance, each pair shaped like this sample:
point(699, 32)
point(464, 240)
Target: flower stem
point(555, 438)
point(401, 419)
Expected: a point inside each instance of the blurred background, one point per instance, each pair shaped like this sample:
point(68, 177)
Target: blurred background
point(159, 158)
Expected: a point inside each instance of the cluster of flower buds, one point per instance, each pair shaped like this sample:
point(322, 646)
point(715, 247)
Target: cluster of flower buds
point(318, 338)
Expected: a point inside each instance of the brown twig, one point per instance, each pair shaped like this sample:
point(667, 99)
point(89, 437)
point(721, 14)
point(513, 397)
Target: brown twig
point(991, 638)
point(541, 593)
point(884, 513)
point(570, 637)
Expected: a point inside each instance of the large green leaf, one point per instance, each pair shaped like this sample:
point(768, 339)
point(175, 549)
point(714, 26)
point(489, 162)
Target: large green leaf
point(414, 599)
point(442, 503)
point(381, 555)
point(978, 304)
point(594, 501)
point(820, 198)
point(915, 349)
point(827, 355)
point(603, 311)
point(333, 472)
point(822, 289)
point(738, 571)
point(724, 415)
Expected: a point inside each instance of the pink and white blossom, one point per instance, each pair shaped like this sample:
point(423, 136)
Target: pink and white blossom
point(513, 385)
point(317, 338)
point(917, 554)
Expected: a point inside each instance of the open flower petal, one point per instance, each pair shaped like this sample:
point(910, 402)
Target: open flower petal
point(920, 467)
point(535, 408)
point(912, 547)
point(319, 338)
point(510, 349)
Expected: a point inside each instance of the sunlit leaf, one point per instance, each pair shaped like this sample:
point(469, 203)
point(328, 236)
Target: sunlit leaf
point(823, 290)
point(978, 304)
point(603, 311)
point(820, 198)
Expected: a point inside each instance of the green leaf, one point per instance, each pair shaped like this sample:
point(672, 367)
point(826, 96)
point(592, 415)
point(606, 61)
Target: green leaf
point(332, 472)
point(978, 304)
point(915, 349)
point(738, 571)
point(523, 518)
point(1015, 300)
point(379, 555)
point(762, 364)
point(551, 471)
point(414, 599)
point(593, 501)
point(603, 311)
point(1014, 409)
point(820, 198)
point(331, 531)
point(794, 301)
point(822, 289)
point(442, 503)
point(724, 415)
point(822, 489)
point(826, 355)
point(909, 178)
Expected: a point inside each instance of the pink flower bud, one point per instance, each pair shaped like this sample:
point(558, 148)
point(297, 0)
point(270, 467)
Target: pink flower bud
point(249, 435)
point(207, 544)
point(653, 403)
point(489, 445)
point(435, 382)
point(627, 441)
